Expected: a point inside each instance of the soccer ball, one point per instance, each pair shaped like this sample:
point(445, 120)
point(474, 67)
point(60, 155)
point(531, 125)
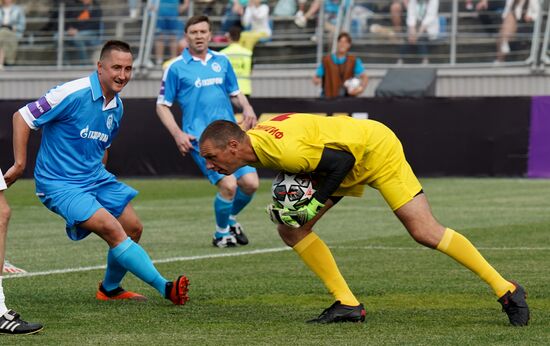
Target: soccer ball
point(292, 191)
point(352, 83)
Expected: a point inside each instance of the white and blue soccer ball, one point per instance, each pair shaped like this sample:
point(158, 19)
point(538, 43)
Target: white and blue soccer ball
point(292, 191)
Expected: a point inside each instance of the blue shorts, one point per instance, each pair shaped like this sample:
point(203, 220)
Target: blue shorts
point(214, 176)
point(169, 26)
point(78, 204)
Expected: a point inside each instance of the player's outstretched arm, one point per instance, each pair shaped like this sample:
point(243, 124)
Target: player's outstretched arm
point(21, 133)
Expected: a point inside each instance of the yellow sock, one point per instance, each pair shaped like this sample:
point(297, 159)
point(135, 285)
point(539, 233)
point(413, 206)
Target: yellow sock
point(316, 254)
point(461, 250)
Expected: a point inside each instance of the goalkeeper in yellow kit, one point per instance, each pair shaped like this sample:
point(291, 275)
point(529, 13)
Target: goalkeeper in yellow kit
point(349, 154)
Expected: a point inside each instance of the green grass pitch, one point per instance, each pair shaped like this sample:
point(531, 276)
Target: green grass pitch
point(261, 294)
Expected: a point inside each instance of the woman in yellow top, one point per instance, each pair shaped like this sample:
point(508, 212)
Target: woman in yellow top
point(349, 154)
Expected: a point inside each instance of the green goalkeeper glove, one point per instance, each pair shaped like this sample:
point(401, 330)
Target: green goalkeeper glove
point(276, 215)
point(305, 213)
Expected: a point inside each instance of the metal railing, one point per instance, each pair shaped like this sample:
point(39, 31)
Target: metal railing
point(463, 40)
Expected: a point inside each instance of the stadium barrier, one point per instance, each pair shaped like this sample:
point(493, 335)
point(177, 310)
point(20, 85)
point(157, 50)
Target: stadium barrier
point(441, 136)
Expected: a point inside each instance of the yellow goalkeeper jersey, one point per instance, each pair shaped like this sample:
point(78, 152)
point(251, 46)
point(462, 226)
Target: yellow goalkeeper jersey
point(295, 142)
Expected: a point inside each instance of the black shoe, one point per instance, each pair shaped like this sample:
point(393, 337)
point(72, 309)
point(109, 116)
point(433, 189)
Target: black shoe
point(11, 323)
point(341, 313)
point(237, 231)
point(515, 306)
point(225, 241)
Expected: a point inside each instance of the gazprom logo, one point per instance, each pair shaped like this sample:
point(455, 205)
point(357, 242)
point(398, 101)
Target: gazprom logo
point(199, 83)
point(87, 134)
point(84, 132)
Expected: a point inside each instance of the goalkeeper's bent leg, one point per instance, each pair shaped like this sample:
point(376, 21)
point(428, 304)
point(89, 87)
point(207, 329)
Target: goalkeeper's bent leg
point(316, 254)
point(461, 250)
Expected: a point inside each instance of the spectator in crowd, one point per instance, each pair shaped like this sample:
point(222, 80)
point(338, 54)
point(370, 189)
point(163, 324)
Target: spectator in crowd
point(285, 8)
point(515, 11)
point(241, 60)
point(397, 10)
point(232, 17)
point(182, 44)
point(12, 21)
point(422, 26)
point(256, 23)
point(331, 8)
point(133, 7)
point(489, 13)
point(341, 73)
point(83, 28)
point(169, 27)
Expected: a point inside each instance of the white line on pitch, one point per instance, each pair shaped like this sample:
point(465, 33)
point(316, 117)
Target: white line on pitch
point(164, 260)
point(256, 252)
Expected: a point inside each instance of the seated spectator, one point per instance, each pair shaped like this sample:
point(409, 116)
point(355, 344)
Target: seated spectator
point(134, 7)
point(489, 13)
point(83, 28)
point(256, 22)
point(422, 26)
point(397, 10)
point(169, 27)
point(515, 11)
point(285, 8)
point(12, 21)
point(341, 73)
point(232, 17)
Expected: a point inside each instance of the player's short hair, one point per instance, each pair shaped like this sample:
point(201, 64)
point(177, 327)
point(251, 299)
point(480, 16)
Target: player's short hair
point(344, 34)
point(219, 132)
point(198, 19)
point(114, 45)
point(235, 33)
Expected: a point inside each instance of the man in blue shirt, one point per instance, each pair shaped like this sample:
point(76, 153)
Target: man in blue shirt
point(204, 84)
point(79, 120)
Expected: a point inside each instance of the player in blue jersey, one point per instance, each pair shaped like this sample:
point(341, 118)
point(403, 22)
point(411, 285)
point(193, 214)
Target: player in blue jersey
point(203, 82)
point(79, 120)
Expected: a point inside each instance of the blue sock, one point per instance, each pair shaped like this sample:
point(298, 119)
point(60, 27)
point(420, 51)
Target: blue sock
point(131, 256)
point(241, 200)
point(222, 209)
point(114, 273)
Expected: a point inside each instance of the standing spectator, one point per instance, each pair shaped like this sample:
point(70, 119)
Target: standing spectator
point(341, 73)
point(12, 21)
point(169, 27)
point(204, 84)
point(84, 28)
point(256, 23)
point(79, 121)
point(241, 60)
point(515, 11)
point(10, 321)
point(422, 26)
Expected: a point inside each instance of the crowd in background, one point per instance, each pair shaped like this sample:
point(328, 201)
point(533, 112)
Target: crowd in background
point(412, 24)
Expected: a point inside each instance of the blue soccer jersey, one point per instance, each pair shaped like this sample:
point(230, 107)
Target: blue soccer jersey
point(201, 88)
point(77, 127)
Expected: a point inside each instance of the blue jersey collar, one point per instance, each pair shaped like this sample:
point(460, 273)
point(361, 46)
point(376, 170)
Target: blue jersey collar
point(97, 93)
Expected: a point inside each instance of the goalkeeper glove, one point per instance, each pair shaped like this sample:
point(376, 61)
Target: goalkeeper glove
point(305, 213)
point(276, 215)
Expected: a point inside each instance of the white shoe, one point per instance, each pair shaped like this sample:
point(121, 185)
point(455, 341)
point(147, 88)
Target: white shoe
point(300, 20)
point(505, 47)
